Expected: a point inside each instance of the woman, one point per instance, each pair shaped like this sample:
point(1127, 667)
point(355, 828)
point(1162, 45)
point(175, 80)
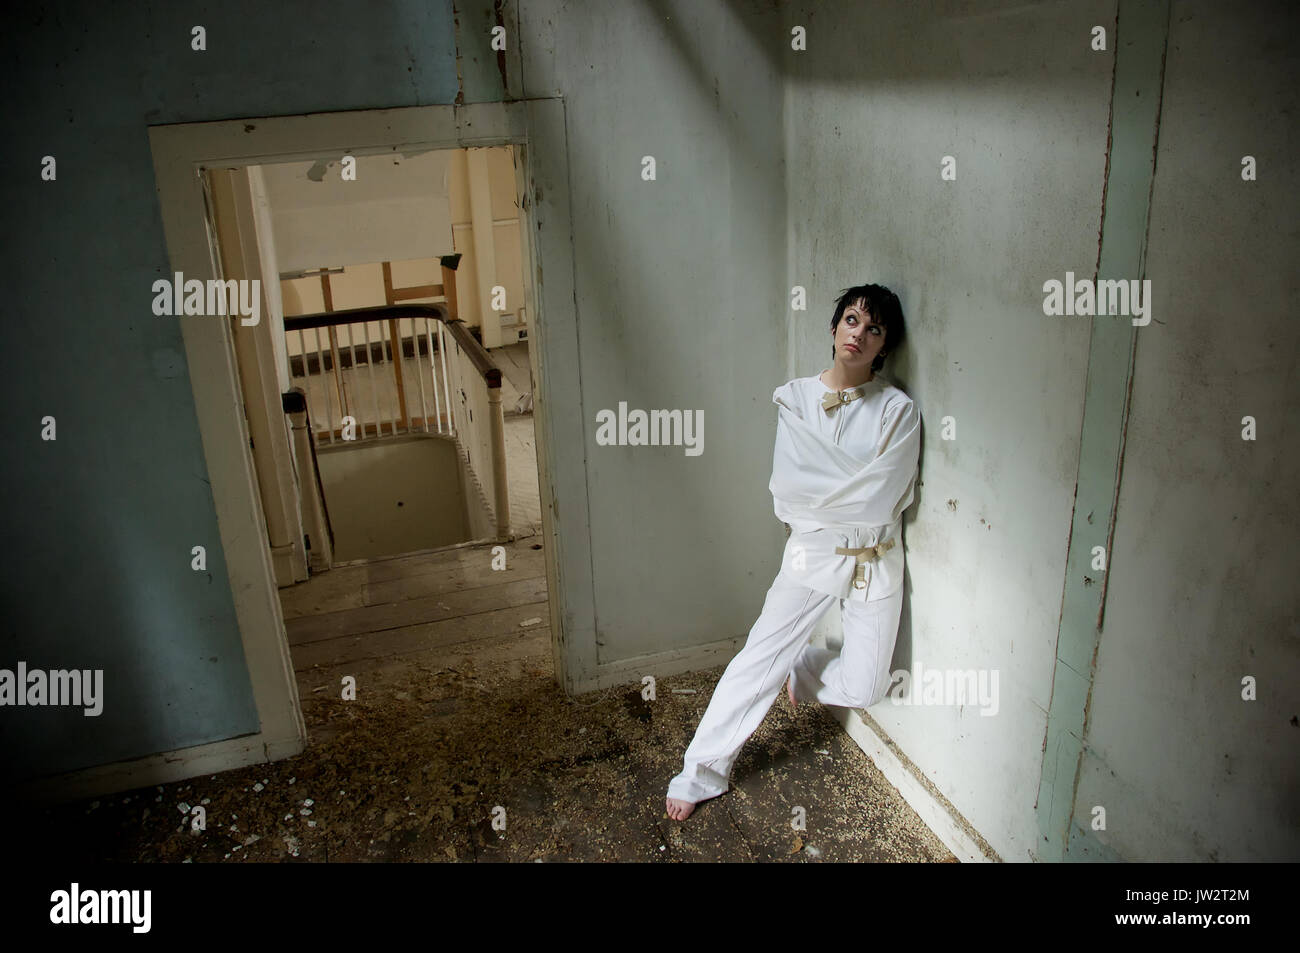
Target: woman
point(843, 472)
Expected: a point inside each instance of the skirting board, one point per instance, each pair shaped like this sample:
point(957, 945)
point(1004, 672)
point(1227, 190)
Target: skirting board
point(951, 830)
point(282, 559)
point(162, 768)
point(673, 662)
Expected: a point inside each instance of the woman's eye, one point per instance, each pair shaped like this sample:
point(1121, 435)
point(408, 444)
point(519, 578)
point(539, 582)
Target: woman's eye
point(874, 328)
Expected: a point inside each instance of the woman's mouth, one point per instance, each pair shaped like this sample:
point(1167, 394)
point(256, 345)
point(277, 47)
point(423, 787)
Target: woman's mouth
point(854, 348)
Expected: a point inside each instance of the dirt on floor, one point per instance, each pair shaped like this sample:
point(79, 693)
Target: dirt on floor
point(489, 761)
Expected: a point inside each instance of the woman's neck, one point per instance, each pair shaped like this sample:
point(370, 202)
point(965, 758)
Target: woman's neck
point(838, 378)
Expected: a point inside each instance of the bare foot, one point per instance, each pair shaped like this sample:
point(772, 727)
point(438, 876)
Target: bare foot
point(789, 690)
point(679, 810)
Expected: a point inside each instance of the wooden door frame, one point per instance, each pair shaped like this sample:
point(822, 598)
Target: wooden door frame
point(537, 129)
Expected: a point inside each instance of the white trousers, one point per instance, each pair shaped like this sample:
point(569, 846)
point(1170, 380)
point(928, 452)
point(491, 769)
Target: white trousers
point(778, 645)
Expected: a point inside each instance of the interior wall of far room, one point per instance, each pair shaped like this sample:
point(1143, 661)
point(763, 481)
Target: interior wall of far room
point(371, 207)
point(361, 284)
point(389, 497)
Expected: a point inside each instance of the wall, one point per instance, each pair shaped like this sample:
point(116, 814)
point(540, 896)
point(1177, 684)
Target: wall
point(1196, 599)
point(1024, 114)
point(1202, 589)
point(106, 515)
point(396, 207)
point(362, 285)
point(393, 497)
point(665, 271)
point(507, 244)
point(679, 293)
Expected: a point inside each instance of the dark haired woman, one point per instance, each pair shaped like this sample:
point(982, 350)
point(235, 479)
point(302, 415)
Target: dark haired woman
point(843, 472)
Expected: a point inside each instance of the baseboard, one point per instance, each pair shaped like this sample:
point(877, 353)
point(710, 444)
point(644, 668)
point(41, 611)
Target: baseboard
point(162, 768)
point(282, 561)
point(659, 664)
point(953, 830)
point(467, 544)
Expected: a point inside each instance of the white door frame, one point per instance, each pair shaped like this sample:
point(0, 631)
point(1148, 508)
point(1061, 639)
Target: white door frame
point(181, 153)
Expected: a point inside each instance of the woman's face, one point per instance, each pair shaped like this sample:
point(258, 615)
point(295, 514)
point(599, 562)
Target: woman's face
point(858, 338)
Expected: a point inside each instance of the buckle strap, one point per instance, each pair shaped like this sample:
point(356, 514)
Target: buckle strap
point(834, 398)
point(864, 554)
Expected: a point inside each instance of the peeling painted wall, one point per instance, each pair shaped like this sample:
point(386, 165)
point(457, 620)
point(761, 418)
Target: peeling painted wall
point(1201, 573)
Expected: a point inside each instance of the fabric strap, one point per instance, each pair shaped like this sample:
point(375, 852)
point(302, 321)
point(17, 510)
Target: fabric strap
point(836, 397)
point(864, 555)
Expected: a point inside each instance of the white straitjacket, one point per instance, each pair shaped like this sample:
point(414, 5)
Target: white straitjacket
point(843, 479)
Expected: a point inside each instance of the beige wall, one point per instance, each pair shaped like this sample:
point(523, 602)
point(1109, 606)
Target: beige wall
point(362, 285)
point(501, 176)
point(392, 205)
point(393, 496)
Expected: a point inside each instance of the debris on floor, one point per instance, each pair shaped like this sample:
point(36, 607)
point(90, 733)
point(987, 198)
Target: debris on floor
point(453, 762)
point(468, 751)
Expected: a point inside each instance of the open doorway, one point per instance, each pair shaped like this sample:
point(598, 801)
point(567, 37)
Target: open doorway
point(265, 555)
point(392, 432)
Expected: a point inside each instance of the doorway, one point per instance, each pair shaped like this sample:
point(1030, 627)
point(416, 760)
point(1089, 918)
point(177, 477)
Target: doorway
point(182, 153)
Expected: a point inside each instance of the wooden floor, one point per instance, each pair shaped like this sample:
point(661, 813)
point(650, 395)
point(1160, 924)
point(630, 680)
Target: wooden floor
point(375, 615)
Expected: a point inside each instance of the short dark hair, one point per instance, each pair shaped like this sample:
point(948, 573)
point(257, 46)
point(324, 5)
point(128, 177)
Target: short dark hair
point(883, 305)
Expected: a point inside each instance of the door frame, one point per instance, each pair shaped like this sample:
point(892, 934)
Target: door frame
point(536, 128)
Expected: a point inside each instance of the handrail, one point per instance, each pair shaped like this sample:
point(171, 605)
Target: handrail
point(477, 354)
point(326, 319)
